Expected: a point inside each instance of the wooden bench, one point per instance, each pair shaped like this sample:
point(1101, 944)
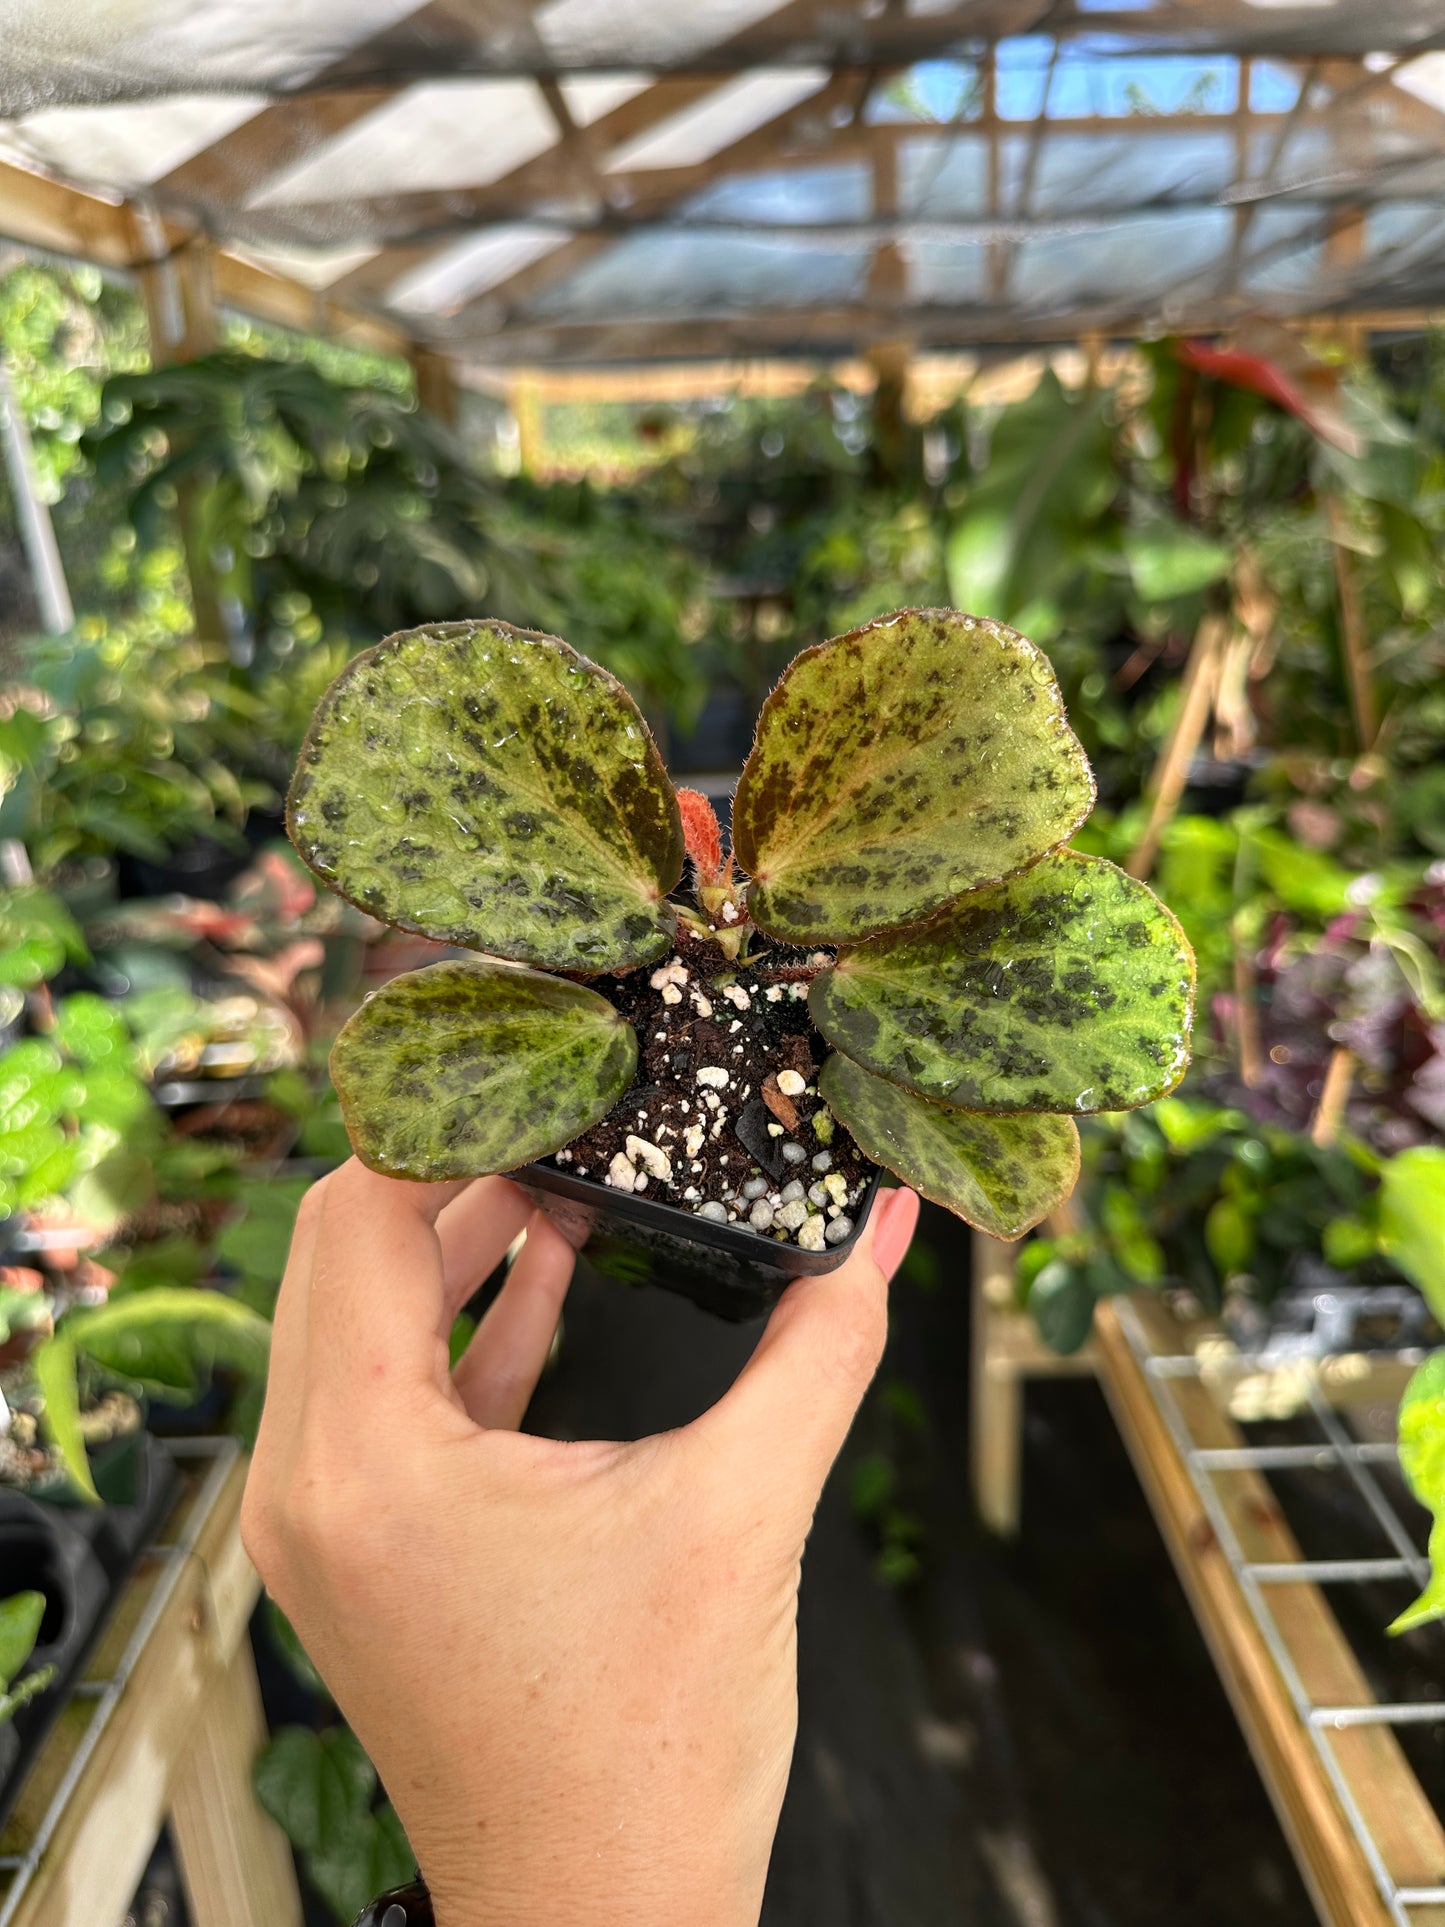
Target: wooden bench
point(162, 1731)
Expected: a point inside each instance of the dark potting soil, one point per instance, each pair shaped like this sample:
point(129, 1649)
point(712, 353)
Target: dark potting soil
point(724, 1118)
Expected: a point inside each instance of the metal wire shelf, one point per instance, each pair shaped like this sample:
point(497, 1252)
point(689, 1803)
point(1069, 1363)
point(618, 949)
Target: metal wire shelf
point(1337, 1450)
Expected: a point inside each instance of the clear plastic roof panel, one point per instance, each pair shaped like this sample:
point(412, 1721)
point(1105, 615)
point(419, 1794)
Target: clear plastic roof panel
point(583, 179)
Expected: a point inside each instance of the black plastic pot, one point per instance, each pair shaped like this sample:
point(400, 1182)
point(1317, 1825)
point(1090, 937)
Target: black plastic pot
point(136, 1479)
point(88, 887)
point(189, 1093)
point(727, 1269)
point(78, 1556)
point(205, 867)
point(41, 1551)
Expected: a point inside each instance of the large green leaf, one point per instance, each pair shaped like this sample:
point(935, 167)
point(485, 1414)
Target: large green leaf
point(489, 787)
point(463, 1068)
point(1069, 988)
point(1422, 1459)
point(1061, 1304)
point(317, 1786)
point(320, 1788)
point(896, 767)
point(20, 1617)
point(1169, 559)
point(374, 1858)
point(1002, 1174)
point(1412, 1219)
point(54, 1367)
point(1037, 507)
point(170, 1338)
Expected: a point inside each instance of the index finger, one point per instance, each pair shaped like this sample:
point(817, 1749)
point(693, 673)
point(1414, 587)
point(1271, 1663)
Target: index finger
point(374, 1311)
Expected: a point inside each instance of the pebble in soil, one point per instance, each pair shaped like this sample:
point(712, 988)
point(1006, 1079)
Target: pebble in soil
point(724, 1117)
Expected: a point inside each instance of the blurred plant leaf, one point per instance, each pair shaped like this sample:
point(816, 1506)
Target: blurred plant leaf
point(1422, 1459)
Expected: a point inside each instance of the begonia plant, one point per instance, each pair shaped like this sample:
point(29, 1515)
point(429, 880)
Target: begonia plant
point(898, 888)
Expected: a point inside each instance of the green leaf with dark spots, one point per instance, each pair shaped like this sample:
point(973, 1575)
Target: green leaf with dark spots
point(1001, 1174)
point(464, 1068)
point(896, 767)
point(1422, 1459)
point(489, 787)
point(1069, 988)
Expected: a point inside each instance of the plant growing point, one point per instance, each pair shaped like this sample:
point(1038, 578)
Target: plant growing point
point(898, 963)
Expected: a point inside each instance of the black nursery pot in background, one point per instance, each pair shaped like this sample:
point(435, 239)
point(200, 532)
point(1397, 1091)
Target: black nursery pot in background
point(727, 1269)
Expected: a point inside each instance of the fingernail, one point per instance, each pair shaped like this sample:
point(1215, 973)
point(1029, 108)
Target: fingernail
point(897, 1218)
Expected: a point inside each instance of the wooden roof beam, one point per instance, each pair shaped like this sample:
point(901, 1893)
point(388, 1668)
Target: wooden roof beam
point(410, 225)
point(40, 212)
point(495, 303)
point(831, 333)
point(285, 131)
point(516, 196)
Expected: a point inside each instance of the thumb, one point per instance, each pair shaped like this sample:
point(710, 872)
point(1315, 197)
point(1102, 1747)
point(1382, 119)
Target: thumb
point(790, 1409)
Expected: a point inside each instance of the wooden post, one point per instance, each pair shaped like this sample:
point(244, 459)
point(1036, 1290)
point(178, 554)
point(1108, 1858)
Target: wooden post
point(1330, 1112)
point(436, 384)
point(995, 1414)
point(1246, 1018)
point(526, 401)
point(178, 286)
point(1201, 675)
point(1006, 1350)
point(892, 432)
point(234, 1859)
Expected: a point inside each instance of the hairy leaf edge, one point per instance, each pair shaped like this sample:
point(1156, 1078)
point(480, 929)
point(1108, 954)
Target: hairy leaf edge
point(676, 854)
point(1010, 1236)
point(593, 1117)
point(746, 852)
point(1191, 996)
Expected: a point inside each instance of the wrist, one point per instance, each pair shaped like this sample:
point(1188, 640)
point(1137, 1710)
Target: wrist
point(558, 1897)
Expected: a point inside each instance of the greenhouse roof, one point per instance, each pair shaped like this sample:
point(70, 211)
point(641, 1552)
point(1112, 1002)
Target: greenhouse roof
point(600, 180)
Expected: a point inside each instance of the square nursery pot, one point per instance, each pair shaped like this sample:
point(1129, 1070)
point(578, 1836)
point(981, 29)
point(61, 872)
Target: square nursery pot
point(41, 1550)
point(728, 1269)
point(136, 1478)
point(79, 1556)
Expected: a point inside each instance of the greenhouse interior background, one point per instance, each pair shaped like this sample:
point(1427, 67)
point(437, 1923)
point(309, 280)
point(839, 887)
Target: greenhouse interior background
point(698, 335)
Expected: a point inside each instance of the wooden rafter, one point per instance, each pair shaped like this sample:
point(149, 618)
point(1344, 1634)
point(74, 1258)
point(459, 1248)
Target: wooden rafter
point(575, 186)
point(410, 226)
point(535, 185)
point(842, 92)
point(285, 131)
point(828, 332)
point(43, 213)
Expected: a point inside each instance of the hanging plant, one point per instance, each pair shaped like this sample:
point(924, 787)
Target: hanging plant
point(898, 962)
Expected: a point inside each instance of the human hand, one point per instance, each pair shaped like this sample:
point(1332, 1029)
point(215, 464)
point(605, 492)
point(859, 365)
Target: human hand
point(573, 1664)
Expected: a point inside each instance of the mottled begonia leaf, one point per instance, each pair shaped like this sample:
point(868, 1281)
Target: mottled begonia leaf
point(896, 767)
point(1000, 1174)
point(470, 1067)
point(1422, 1460)
point(489, 787)
point(1069, 988)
